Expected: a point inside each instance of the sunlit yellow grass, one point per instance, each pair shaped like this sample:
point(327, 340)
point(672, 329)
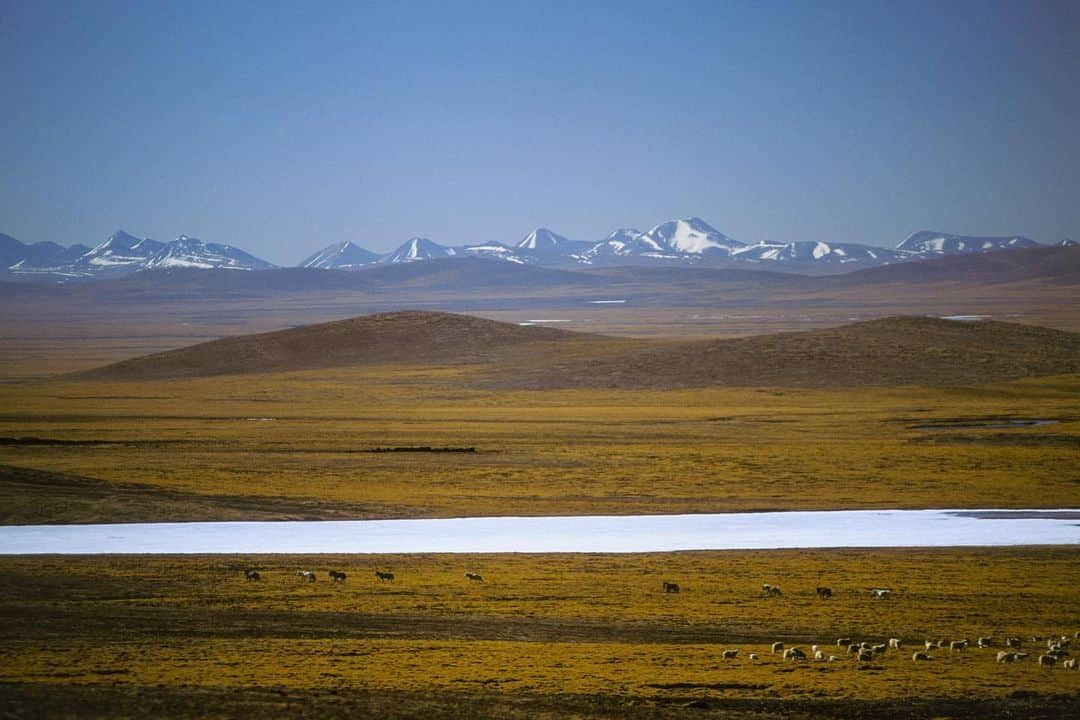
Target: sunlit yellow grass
point(572, 452)
point(316, 636)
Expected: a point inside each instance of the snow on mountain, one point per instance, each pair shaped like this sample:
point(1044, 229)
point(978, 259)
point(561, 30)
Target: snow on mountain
point(492, 250)
point(691, 236)
point(544, 245)
point(119, 252)
point(21, 258)
point(809, 251)
point(340, 256)
point(929, 242)
point(687, 239)
point(417, 248)
point(189, 252)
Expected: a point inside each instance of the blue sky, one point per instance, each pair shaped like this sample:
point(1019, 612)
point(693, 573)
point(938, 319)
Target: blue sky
point(281, 128)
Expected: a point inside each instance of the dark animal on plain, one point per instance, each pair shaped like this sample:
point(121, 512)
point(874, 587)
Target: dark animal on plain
point(670, 587)
point(336, 576)
point(794, 654)
point(252, 575)
point(774, 591)
point(823, 592)
point(384, 576)
point(475, 577)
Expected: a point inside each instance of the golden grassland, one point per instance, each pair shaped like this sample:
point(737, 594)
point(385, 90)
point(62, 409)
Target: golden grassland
point(545, 625)
point(306, 438)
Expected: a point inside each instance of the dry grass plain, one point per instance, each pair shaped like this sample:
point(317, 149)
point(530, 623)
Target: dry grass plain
point(591, 635)
point(301, 443)
point(545, 636)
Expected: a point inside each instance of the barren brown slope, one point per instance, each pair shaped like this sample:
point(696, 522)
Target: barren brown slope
point(412, 338)
point(891, 351)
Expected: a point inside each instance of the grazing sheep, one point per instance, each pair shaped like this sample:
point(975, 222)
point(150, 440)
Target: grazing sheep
point(384, 576)
point(794, 654)
point(894, 643)
point(1004, 656)
point(474, 577)
point(854, 648)
point(866, 656)
point(307, 575)
point(670, 587)
point(752, 656)
point(843, 642)
point(338, 577)
point(957, 645)
point(823, 592)
point(931, 644)
point(777, 647)
point(879, 648)
point(252, 575)
point(920, 657)
point(1014, 642)
point(814, 649)
point(819, 656)
point(880, 593)
point(774, 591)
point(1069, 664)
point(985, 642)
point(729, 654)
point(1047, 659)
point(766, 588)
point(833, 658)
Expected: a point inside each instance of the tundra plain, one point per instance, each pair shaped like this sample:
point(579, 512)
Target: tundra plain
point(542, 636)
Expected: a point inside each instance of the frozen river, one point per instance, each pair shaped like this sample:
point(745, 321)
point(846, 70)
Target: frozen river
point(648, 533)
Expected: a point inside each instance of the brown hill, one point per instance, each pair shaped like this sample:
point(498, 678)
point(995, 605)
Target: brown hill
point(411, 338)
point(888, 352)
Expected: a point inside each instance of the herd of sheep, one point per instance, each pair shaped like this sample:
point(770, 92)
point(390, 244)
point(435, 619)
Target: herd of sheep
point(865, 651)
point(1057, 648)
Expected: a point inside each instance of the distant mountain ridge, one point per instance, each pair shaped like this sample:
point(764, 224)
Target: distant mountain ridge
point(686, 241)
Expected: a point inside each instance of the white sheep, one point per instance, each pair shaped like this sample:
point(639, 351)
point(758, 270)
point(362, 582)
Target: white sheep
point(1047, 659)
point(957, 645)
point(819, 656)
point(729, 654)
point(894, 643)
point(777, 647)
point(794, 654)
point(752, 656)
point(920, 657)
point(985, 642)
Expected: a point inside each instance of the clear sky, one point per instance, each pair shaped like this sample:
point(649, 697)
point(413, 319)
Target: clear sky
point(281, 128)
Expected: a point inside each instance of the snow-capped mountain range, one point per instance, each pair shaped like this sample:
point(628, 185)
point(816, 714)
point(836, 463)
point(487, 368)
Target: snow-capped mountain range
point(686, 241)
